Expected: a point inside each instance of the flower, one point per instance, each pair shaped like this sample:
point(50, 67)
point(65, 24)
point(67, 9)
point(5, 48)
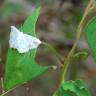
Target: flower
point(22, 42)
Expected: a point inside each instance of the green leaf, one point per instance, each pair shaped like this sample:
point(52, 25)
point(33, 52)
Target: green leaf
point(91, 35)
point(73, 88)
point(21, 68)
point(28, 26)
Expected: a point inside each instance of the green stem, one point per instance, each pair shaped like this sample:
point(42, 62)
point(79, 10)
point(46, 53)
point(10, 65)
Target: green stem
point(54, 51)
point(79, 31)
point(80, 27)
point(6, 92)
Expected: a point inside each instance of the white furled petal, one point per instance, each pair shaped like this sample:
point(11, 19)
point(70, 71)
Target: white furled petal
point(22, 42)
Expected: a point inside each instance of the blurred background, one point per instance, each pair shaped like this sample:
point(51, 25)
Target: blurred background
point(56, 25)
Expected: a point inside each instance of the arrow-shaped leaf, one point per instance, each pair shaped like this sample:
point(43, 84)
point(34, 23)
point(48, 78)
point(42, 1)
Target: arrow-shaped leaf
point(21, 68)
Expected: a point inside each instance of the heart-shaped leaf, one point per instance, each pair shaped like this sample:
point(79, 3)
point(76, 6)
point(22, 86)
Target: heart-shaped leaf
point(73, 88)
point(21, 68)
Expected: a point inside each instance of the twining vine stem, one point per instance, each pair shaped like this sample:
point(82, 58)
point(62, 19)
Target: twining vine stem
point(88, 9)
point(54, 51)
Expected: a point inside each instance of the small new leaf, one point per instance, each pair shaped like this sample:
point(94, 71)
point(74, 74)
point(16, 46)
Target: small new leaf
point(80, 55)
